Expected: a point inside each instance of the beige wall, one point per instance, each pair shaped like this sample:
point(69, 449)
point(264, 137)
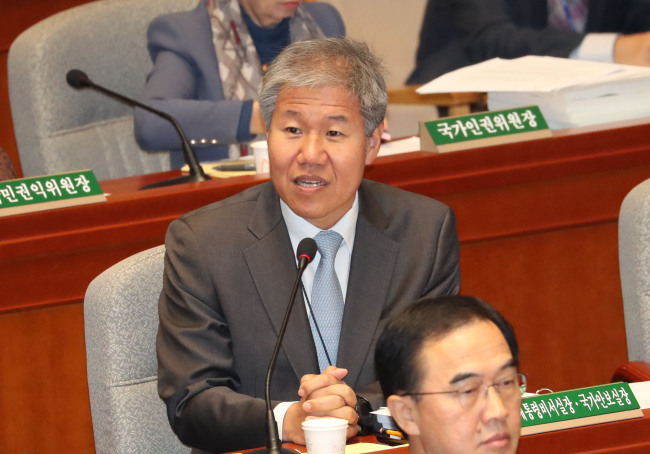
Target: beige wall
point(390, 27)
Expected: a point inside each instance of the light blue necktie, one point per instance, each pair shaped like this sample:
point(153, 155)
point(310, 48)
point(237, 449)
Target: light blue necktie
point(327, 299)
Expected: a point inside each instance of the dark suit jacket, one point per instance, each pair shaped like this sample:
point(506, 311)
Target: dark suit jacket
point(185, 83)
point(457, 33)
point(229, 271)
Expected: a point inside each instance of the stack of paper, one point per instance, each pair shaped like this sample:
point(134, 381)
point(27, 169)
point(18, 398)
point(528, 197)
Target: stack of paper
point(568, 92)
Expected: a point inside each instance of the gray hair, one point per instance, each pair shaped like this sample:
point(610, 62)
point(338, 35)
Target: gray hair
point(328, 62)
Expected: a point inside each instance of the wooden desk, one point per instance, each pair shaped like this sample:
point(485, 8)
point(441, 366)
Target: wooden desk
point(538, 228)
point(456, 103)
point(631, 436)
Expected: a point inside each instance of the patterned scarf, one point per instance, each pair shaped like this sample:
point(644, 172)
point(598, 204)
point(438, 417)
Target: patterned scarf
point(239, 64)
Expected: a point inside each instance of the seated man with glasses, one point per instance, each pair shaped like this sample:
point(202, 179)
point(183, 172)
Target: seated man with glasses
point(448, 370)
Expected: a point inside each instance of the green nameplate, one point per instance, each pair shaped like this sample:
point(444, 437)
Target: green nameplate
point(578, 404)
point(47, 192)
point(483, 129)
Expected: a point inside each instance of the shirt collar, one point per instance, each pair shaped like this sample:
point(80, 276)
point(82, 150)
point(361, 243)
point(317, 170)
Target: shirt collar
point(300, 228)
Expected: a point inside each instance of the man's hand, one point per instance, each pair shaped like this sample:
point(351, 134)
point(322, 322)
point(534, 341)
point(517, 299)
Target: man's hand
point(633, 49)
point(322, 395)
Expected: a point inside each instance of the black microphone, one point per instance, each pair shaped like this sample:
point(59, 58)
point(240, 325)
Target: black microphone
point(79, 79)
point(305, 253)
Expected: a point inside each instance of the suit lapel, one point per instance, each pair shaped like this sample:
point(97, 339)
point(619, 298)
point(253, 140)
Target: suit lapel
point(373, 261)
point(273, 268)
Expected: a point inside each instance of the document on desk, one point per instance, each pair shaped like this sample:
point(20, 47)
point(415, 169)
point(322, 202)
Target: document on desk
point(359, 448)
point(400, 146)
point(569, 92)
point(641, 392)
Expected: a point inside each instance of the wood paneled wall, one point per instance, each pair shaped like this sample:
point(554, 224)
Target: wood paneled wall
point(42, 368)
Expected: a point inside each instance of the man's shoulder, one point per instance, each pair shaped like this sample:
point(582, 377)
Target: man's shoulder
point(403, 215)
point(229, 209)
point(179, 22)
point(390, 197)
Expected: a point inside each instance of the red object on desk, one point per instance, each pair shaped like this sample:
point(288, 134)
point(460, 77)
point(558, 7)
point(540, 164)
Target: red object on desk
point(633, 371)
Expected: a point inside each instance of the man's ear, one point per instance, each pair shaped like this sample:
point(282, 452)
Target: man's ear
point(404, 412)
point(373, 143)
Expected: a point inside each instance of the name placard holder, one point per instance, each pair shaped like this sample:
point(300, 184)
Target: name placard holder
point(579, 407)
point(483, 129)
point(48, 192)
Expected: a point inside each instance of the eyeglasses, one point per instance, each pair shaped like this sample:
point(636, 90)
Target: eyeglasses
point(509, 388)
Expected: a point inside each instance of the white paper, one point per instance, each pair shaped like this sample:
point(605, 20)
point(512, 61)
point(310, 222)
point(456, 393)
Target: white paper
point(400, 146)
point(383, 411)
point(641, 391)
point(533, 74)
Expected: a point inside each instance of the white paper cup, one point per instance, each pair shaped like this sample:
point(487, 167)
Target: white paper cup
point(261, 154)
point(325, 435)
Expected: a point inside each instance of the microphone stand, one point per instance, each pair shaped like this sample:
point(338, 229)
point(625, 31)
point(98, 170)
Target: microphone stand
point(196, 171)
point(273, 442)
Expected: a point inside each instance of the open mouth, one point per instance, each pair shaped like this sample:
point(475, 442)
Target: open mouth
point(303, 183)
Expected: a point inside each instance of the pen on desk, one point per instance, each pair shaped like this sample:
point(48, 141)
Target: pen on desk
point(391, 432)
point(234, 167)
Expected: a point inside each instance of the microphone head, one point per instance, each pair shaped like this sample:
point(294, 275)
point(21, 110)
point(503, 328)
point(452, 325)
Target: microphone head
point(306, 249)
point(78, 79)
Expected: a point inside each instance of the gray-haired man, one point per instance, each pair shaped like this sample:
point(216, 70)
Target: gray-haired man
point(230, 265)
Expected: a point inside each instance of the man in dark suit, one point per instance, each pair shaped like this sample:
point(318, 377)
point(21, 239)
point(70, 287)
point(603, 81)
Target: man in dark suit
point(230, 266)
point(448, 368)
point(457, 33)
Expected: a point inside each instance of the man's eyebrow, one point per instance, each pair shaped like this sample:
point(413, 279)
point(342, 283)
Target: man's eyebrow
point(462, 376)
point(334, 118)
point(292, 113)
point(465, 375)
point(338, 118)
point(512, 362)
